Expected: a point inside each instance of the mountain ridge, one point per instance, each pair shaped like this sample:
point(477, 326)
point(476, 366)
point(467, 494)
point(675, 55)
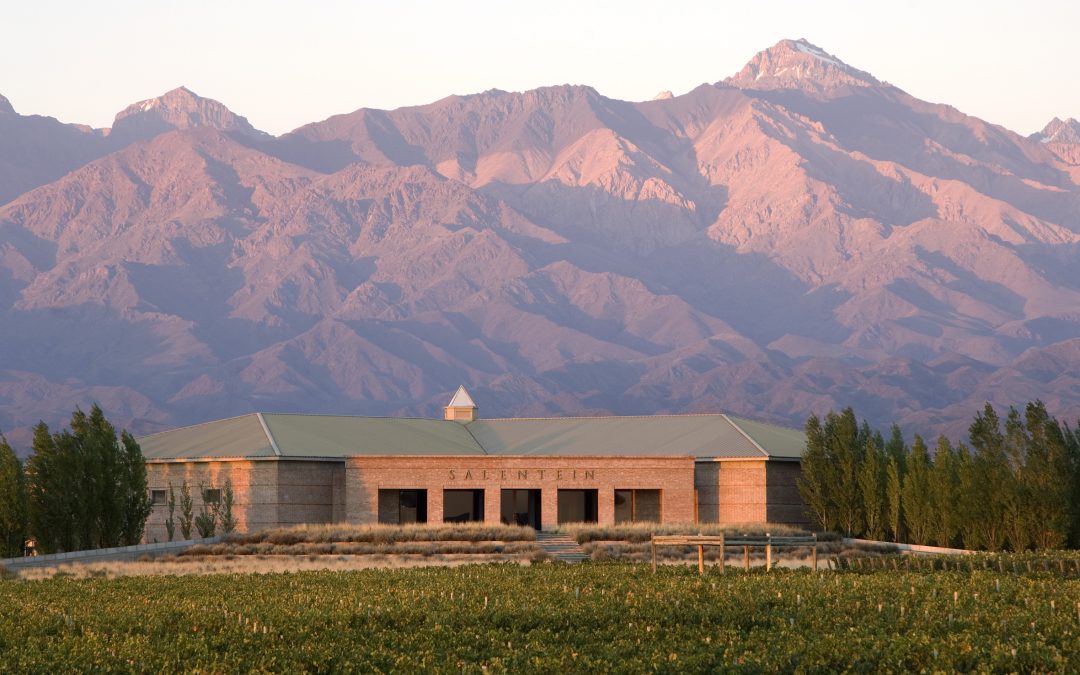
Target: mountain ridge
point(767, 246)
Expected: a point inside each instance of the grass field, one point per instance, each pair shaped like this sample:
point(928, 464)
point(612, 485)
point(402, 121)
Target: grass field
point(547, 617)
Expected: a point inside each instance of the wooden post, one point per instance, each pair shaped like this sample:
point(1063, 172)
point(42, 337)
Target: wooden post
point(746, 558)
point(768, 552)
point(701, 559)
point(815, 554)
point(654, 556)
point(721, 553)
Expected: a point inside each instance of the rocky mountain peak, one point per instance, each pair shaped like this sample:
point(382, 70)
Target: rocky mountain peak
point(798, 64)
point(1059, 131)
point(5, 106)
point(180, 108)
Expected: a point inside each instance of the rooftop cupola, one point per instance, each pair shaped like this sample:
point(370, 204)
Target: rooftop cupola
point(461, 407)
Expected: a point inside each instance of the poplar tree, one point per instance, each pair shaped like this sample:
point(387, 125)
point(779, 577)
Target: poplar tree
point(12, 502)
point(989, 480)
point(1047, 479)
point(815, 477)
point(893, 499)
point(844, 443)
point(916, 493)
point(1015, 491)
point(87, 488)
point(872, 488)
point(945, 516)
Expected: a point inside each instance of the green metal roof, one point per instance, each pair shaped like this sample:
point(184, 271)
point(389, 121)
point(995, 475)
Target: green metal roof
point(234, 437)
point(344, 436)
point(779, 442)
point(337, 436)
point(697, 435)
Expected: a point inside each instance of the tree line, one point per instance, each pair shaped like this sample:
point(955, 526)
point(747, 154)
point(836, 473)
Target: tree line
point(1014, 484)
point(83, 487)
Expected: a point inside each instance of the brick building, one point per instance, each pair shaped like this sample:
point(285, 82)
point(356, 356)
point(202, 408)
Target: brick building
point(290, 469)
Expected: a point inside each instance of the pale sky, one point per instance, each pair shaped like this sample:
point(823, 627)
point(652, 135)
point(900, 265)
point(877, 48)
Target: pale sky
point(284, 63)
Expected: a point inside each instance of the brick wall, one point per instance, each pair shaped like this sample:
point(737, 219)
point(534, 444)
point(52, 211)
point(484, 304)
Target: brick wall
point(674, 476)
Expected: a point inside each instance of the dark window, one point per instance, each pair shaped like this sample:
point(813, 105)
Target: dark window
point(211, 496)
point(401, 507)
point(159, 497)
point(521, 507)
point(412, 506)
point(577, 506)
point(463, 506)
point(637, 506)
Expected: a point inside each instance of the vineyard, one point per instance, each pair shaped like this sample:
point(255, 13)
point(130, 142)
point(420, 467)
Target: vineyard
point(547, 617)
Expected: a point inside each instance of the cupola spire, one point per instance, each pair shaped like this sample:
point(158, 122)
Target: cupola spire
point(461, 407)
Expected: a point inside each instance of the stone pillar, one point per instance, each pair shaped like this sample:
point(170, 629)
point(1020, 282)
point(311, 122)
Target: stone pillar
point(549, 508)
point(605, 506)
point(492, 505)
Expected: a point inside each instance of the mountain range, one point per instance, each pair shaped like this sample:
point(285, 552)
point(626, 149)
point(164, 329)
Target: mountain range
point(795, 238)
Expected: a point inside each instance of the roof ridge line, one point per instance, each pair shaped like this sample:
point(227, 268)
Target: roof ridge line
point(747, 436)
point(269, 436)
point(600, 417)
point(197, 424)
point(475, 439)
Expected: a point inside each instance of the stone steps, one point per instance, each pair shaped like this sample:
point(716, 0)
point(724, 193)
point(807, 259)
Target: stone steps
point(561, 547)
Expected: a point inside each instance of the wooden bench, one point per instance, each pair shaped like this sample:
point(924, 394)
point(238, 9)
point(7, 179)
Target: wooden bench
point(765, 541)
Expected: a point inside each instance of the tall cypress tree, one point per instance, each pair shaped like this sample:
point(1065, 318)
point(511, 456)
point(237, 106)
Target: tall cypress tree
point(12, 502)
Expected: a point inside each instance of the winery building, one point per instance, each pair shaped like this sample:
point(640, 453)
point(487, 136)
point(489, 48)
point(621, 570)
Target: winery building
point(287, 469)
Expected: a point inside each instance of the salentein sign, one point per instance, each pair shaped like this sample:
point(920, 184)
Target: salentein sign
point(555, 475)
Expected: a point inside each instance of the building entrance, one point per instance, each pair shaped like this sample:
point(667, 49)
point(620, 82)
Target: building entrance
point(521, 507)
point(577, 506)
point(463, 506)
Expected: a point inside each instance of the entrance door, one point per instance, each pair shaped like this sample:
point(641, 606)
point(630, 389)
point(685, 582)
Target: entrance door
point(463, 506)
point(521, 507)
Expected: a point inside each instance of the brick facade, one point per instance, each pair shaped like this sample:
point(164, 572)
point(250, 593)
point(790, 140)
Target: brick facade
point(279, 492)
point(673, 476)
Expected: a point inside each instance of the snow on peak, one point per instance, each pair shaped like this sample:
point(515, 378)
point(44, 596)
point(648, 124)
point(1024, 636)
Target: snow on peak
point(1059, 131)
point(806, 48)
point(663, 96)
point(798, 64)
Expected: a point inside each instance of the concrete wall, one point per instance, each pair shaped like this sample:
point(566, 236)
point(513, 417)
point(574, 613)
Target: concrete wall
point(267, 493)
point(785, 504)
point(674, 476)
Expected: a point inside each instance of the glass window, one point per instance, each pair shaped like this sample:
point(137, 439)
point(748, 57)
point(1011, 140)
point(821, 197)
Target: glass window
point(211, 496)
point(577, 506)
point(637, 506)
point(463, 506)
point(521, 507)
point(159, 497)
point(624, 506)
